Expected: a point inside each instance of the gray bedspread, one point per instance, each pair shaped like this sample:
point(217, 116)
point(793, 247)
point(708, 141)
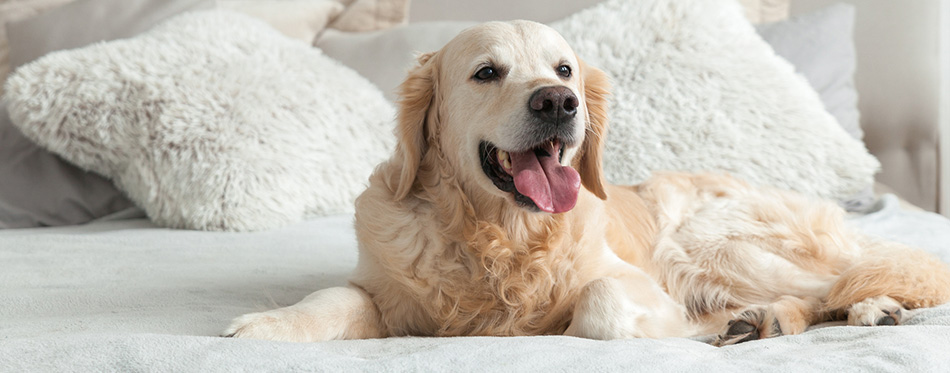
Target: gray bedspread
point(129, 296)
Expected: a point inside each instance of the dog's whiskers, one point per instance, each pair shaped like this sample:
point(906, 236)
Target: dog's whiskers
point(594, 134)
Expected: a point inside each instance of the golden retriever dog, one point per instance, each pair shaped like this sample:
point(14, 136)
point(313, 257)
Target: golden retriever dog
point(493, 218)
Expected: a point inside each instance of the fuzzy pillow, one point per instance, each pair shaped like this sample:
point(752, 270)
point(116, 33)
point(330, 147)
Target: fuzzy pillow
point(695, 89)
point(212, 120)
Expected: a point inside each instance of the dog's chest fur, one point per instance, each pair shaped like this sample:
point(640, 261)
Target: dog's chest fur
point(506, 286)
point(489, 284)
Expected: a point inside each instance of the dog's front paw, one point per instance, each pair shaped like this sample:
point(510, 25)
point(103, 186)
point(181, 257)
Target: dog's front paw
point(602, 312)
point(881, 310)
point(606, 309)
point(276, 325)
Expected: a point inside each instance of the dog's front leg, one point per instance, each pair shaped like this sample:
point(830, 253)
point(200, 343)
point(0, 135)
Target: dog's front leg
point(627, 304)
point(334, 313)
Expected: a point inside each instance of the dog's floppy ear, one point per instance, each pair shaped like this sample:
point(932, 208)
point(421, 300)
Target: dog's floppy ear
point(589, 158)
point(415, 100)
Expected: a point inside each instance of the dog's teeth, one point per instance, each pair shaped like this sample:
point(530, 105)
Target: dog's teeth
point(505, 159)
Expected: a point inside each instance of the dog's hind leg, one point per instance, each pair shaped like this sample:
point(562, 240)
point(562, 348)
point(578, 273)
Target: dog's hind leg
point(788, 315)
point(888, 280)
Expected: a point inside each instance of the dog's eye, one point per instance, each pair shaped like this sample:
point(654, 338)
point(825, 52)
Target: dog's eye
point(564, 71)
point(485, 73)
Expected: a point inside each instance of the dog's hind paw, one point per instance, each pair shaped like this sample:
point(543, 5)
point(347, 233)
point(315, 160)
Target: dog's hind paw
point(874, 311)
point(753, 323)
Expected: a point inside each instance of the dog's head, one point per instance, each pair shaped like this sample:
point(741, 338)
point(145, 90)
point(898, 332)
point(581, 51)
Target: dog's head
point(514, 111)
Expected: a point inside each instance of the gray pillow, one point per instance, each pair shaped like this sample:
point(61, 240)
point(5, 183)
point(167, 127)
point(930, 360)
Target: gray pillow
point(38, 188)
point(821, 47)
point(384, 57)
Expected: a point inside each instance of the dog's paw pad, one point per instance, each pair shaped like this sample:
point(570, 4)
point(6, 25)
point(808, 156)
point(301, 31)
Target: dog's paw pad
point(737, 327)
point(750, 325)
point(739, 331)
point(886, 320)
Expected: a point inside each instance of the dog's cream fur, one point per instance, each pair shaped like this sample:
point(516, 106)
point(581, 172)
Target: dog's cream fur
point(444, 252)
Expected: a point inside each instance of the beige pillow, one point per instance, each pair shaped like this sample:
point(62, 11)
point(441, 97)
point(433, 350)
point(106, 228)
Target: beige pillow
point(12, 11)
point(765, 11)
point(371, 15)
point(298, 19)
point(85, 22)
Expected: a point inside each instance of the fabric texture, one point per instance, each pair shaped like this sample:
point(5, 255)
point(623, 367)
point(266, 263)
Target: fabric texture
point(695, 89)
point(130, 296)
point(213, 121)
point(299, 19)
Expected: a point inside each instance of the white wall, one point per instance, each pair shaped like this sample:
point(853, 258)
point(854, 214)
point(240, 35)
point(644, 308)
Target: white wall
point(945, 108)
point(899, 82)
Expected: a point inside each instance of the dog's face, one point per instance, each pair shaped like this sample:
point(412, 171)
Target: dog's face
point(514, 112)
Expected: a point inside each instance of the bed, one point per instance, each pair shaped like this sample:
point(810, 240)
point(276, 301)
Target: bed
point(122, 293)
point(126, 295)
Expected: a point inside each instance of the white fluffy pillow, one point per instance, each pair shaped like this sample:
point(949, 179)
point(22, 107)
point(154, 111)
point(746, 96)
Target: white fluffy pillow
point(694, 88)
point(212, 120)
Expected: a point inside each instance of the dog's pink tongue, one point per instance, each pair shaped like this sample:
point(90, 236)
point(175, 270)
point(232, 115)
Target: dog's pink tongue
point(552, 187)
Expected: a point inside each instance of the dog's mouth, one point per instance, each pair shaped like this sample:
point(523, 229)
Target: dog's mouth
point(534, 176)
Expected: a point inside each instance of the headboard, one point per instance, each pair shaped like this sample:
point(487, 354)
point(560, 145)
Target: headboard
point(899, 76)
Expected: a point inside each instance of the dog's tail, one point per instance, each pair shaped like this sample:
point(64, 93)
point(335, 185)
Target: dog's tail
point(910, 276)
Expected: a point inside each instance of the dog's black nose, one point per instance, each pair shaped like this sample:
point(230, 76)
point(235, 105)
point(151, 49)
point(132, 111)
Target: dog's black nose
point(553, 104)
